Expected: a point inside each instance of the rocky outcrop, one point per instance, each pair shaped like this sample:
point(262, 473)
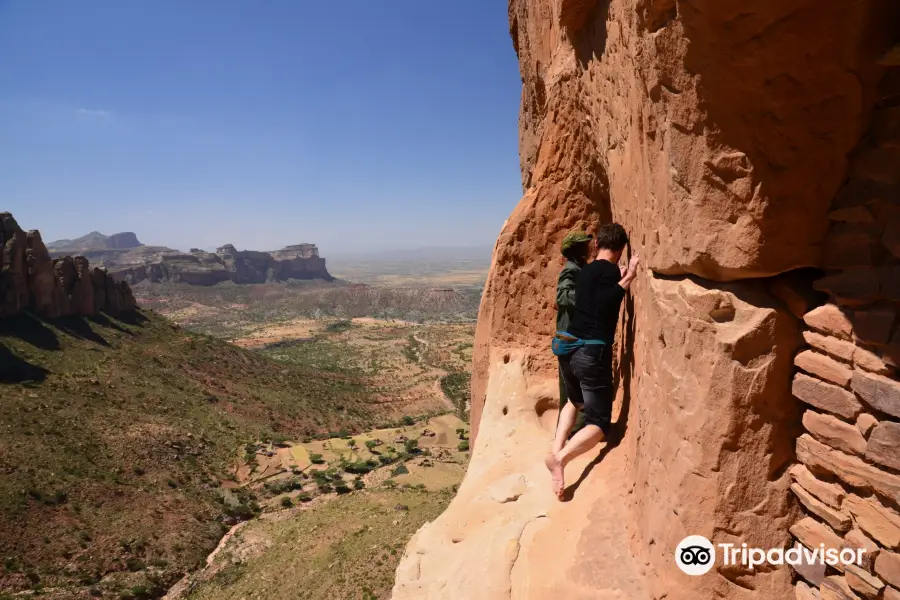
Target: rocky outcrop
point(718, 132)
point(30, 280)
point(227, 263)
point(119, 241)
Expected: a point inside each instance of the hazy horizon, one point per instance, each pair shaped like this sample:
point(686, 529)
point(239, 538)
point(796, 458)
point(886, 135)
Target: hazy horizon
point(386, 252)
point(260, 125)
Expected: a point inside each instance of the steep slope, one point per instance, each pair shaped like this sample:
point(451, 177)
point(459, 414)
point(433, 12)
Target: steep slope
point(117, 434)
point(718, 133)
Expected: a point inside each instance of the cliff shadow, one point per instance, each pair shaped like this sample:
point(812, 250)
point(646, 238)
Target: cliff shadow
point(80, 327)
point(620, 426)
point(31, 330)
point(14, 369)
point(132, 318)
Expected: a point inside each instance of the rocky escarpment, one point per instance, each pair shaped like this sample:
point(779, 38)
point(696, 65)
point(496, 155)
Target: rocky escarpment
point(301, 261)
point(30, 280)
point(746, 153)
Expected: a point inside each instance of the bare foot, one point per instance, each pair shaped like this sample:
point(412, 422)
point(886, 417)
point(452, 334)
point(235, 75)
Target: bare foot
point(557, 476)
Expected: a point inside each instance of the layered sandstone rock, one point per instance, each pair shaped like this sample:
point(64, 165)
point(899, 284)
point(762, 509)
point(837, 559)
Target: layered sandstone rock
point(31, 280)
point(718, 133)
point(227, 263)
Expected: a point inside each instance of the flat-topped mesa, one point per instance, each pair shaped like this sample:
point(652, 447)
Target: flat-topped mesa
point(121, 241)
point(298, 251)
point(30, 280)
point(227, 263)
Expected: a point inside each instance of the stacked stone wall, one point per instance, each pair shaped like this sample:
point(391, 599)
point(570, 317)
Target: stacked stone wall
point(848, 473)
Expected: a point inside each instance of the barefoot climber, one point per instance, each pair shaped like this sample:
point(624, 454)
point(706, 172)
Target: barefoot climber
point(585, 351)
point(576, 248)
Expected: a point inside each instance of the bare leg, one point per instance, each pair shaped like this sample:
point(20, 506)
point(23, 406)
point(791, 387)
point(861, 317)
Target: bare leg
point(567, 417)
point(580, 443)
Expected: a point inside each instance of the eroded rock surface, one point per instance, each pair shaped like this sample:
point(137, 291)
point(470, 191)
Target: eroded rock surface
point(718, 132)
point(52, 287)
point(301, 261)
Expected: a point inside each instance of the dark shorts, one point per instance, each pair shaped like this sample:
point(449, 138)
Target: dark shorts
point(587, 374)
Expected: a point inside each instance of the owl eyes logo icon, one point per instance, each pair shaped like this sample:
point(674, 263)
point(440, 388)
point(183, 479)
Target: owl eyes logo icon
point(695, 555)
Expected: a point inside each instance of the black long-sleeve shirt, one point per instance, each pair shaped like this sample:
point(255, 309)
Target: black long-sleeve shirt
point(598, 297)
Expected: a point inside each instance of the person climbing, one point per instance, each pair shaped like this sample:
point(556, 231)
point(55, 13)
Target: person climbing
point(585, 351)
point(576, 249)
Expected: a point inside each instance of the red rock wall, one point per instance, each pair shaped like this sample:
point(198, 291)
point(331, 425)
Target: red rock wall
point(718, 132)
point(32, 281)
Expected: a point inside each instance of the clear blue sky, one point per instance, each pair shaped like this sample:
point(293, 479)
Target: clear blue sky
point(355, 124)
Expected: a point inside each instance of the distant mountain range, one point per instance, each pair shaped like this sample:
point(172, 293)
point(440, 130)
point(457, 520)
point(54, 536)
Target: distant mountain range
point(127, 259)
point(95, 241)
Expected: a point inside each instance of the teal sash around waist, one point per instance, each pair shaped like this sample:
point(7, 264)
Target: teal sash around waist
point(565, 343)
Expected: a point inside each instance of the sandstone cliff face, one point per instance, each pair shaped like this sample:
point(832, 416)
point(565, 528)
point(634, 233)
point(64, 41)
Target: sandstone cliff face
point(197, 267)
point(31, 280)
point(718, 133)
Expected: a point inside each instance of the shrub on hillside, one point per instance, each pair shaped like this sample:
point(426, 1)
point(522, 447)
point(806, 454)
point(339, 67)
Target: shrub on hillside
point(358, 468)
point(463, 447)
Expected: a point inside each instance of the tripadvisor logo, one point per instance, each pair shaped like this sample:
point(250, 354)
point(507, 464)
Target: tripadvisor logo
point(696, 555)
